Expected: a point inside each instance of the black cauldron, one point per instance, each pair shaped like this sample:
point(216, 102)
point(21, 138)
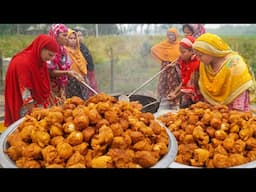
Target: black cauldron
point(144, 100)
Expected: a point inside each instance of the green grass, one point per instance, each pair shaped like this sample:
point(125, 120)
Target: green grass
point(132, 62)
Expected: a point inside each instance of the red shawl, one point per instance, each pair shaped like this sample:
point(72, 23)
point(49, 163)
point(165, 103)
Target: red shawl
point(27, 70)
point(187, 69)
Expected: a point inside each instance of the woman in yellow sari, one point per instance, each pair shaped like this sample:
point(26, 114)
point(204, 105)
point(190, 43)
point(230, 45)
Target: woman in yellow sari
point(224, 75)
point(74, 87)
point(165, 52)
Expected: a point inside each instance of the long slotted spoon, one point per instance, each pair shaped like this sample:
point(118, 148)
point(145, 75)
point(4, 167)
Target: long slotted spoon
point(127, 97)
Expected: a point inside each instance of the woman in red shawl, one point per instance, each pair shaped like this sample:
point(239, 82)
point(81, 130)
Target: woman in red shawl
point(27, 83)
point(188, 91)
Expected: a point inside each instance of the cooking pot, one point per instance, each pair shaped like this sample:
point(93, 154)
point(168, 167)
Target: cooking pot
point(144, 100)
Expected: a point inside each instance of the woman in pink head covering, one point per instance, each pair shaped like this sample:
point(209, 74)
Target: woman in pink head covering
point(194, 30)
point(59, 66)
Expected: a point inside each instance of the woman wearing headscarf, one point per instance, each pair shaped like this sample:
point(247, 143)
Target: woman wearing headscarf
point(194, 30)
point(166, 52)
point(74, 87)
point(92, 81)
point(224, 75)
point(188, 91)
point(59, 66)
point(27, 82)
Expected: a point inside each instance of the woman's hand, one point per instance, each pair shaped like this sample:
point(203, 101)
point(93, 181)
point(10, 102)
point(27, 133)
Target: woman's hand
point(76, 75)
point(171, 96)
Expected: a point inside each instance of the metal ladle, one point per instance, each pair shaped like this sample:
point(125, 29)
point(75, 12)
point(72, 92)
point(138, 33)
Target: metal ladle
point(127, 98)
point(89, 87)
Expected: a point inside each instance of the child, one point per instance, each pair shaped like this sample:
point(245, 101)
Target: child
point(188, 90)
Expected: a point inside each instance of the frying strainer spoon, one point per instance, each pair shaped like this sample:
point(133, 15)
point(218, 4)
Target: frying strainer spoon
point(127, 98)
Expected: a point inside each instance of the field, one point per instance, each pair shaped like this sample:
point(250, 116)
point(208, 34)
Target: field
point(122, 63)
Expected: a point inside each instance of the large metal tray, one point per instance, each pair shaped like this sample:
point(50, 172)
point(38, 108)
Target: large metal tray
point(6, 162)
point(174, 164)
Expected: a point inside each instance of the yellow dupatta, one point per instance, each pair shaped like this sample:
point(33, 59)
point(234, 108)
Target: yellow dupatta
point(79, 62)
point(166, 51)
point(231, 80)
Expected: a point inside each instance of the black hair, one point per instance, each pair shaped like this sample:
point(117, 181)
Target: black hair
point(188, 26)
point(76, 30)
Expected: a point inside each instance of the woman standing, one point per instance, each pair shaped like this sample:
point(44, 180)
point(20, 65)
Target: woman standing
point(59, 66)
point(166, 52)
point(194, 30)
point(91, 77)
point(74, 87)
point(27, 83)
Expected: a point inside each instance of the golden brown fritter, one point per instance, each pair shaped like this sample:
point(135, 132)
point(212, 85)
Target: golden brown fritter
point(81, 122)
point(221, 161)
point(76, 158)
point(237, 159)
point(119, 143)
point(116, 129)
point(136, 136)
point(102, 162)
point(111, 116)
point(49, 153)
point(54, 166)
point(121, 157)
point(64, 150)
point(251, 143)
point(251, 155)
point(201, 156)
point(32, 151)
point(39, 113)
point(15, 151)
point(42, 138)
point(27, 163)
point(143, 145)
point(75, 100)
point(56, 130)
point(69, 127)
point(144, 158)
point(101, 123)
point(75, 138)
point(88, 133)
point(94, 116)
point(78, 165)
point(81, 148)
point(56, 140)
point(54, 117)
point(160, 148)
point(223, 133)
point(81, 134)
point(25, 133)
point(155, 126)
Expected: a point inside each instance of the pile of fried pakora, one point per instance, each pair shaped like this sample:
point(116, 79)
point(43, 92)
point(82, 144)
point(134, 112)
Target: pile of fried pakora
point(212, 136)
point(100, 132)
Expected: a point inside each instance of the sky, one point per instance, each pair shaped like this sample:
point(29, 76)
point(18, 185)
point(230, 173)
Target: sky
point(214, 26)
